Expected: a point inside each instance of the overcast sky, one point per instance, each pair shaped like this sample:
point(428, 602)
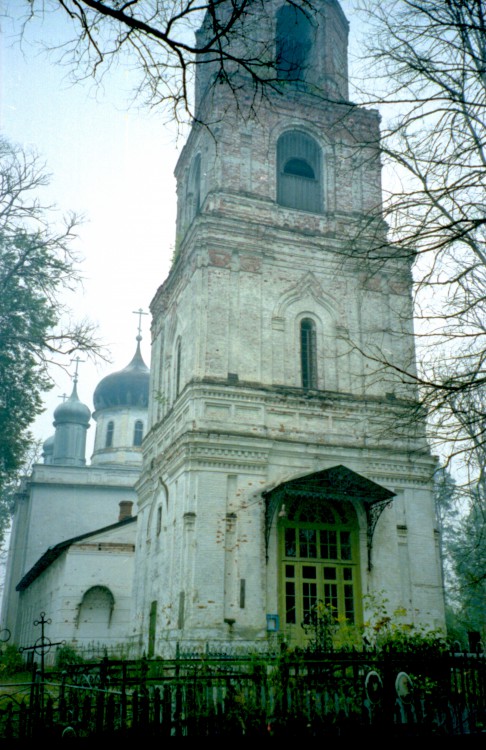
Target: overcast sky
point(113, 164)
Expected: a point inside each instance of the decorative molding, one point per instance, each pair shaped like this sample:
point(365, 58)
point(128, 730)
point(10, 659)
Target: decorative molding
point(308, 285)
point(227, 456)
point(219, 258)
point(250, 263)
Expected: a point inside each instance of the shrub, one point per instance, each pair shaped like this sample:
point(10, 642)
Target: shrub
point(11, 661)
point(394, 630)
point(383, 630)
point(66, 656)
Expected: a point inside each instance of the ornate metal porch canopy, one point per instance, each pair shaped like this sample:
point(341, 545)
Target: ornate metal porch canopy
point(337, 484)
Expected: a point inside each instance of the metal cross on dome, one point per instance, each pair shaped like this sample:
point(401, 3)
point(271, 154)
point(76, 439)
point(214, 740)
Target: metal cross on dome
point(139, 312)
point(78, 361)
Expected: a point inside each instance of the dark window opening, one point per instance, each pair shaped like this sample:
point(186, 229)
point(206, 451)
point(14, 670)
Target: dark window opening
point(110, 430)
point(178, 369)
point(197, 185)
point(299, 168)
point(293, 43)
point(308, 353)
point(138, 433)
point(242, 592)
point(180, 617)
point(193, 195)
point(299, 172)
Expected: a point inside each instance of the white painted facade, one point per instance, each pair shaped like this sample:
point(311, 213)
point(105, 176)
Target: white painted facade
point(122, 452)
point(84, 586)
point(72, 535)
point(230, 419)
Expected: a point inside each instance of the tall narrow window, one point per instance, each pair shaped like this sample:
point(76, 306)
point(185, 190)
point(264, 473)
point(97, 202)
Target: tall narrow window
point(299, 172)
point(109, 435)
point(293, 43)
point(308, 354)
point(193, 194)
point(138, 433)
point(178, 369)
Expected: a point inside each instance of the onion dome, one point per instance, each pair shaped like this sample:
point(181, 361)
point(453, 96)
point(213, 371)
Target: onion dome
point(72, 411)
point(71, 420)
point(48, 449)
point(128, 387)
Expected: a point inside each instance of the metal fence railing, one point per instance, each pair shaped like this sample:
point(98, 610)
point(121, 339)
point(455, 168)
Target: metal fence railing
point(327, 694)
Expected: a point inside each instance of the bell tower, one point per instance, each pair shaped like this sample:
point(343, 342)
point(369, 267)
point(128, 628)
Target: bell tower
point(281, 466)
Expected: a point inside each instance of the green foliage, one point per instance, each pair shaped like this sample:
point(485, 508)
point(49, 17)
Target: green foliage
point(457, 631)
point(321, 626)
point(160, 398)
point(446, 496)
point(467, 551)
point(176, 251)
point(395, 630)
point(67, 656)
point(463, 551)
point(328, 632)
point(382, 630)
point(11, 661)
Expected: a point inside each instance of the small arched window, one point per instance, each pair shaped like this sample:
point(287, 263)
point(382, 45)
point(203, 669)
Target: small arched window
point(110, 431)
point(308, 353)
point(299, 172)
point(138, 433)
point(193, 194)
point(293, 43)
point(178, 369)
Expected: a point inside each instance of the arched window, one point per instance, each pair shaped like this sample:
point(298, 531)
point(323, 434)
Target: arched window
point(110, 430)
point(178, 369)
point(155, 515)
point(319, 565)
point(299, 172)
point(193, 193)
point(293, 43)
point(308, 353)
point(138, 433)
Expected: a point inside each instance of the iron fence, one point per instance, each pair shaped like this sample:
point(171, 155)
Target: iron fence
point(332, 694)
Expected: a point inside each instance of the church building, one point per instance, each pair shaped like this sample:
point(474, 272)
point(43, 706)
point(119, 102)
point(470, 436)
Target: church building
point(284, 464)
point(72, 547)
point(285, 461)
